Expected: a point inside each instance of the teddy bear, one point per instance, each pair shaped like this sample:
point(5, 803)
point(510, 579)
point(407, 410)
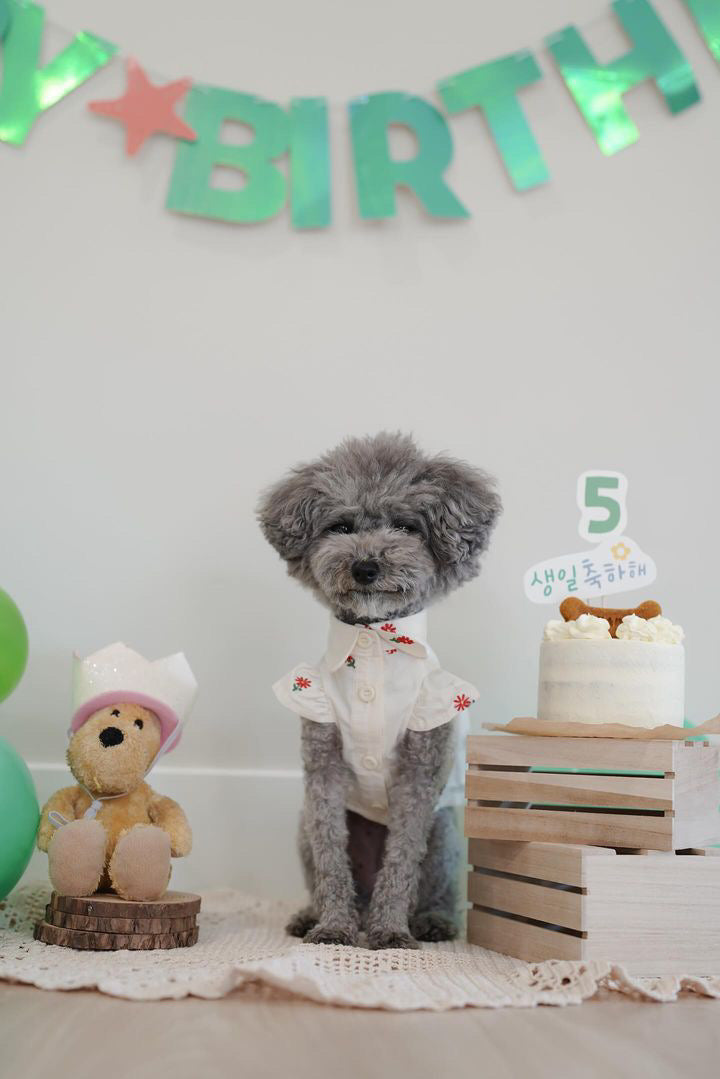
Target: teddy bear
point(111, 831)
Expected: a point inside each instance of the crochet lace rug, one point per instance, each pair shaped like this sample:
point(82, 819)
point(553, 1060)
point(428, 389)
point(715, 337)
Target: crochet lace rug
point(242, 945)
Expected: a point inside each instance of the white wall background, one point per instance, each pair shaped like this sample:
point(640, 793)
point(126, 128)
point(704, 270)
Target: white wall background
point(157, 371)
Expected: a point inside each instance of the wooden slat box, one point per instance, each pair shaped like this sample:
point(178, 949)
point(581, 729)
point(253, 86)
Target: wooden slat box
point(514, 794)
point(653, 913)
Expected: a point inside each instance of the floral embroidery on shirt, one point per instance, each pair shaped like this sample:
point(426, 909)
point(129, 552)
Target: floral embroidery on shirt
point(389, 628)
point(350, 661)
point(402, 640)
point(461, 702)
point(302, 683)
point(391, 651)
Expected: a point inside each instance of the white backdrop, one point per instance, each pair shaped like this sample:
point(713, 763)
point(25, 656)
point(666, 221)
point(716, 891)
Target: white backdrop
point(157, 371)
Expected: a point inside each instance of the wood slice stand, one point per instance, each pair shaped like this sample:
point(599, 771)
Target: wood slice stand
point(105, 922)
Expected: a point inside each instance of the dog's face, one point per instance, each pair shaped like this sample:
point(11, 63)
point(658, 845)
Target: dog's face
point(377, 530)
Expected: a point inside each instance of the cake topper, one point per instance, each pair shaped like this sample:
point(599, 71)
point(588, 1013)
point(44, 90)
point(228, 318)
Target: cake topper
point(615, 564)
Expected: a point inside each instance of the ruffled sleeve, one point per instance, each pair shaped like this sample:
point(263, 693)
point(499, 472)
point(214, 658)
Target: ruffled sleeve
point(442, 697)
point(302, 691)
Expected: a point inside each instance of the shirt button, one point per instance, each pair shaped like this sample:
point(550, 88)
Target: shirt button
point(370, 762)
point(366, 693)
point(364, 640)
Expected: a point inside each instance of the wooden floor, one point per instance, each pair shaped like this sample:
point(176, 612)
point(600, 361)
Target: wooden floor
point(87, 1035)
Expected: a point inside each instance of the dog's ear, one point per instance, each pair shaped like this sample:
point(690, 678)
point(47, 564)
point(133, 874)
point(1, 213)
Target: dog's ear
point(461, 506)
point(285, 512)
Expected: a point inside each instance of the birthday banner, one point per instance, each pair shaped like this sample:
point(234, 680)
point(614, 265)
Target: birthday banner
point(300, 132)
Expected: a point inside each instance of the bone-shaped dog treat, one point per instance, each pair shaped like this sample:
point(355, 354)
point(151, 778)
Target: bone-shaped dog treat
point(572, 608)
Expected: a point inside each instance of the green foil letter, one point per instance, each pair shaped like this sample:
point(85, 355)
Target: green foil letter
point(377, 174)
point(4, 17)
point(264, 191)
point(706, 14)
point(493, 88)
point(310, 163)
point(598, 88)
point(27, 90)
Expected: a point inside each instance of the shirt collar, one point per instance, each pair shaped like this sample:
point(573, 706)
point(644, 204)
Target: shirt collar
point(404, 634)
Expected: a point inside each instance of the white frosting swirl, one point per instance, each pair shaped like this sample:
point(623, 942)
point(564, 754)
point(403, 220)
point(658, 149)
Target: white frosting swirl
point(587, 627)
point(657, 630)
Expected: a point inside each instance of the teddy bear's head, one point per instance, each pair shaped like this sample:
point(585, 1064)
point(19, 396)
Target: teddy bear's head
point(114, 748)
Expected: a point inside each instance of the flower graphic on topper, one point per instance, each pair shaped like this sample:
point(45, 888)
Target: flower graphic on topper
point(620, 551)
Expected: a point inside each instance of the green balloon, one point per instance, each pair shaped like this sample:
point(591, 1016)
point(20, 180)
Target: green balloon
point(13, 645)
point(19, 816)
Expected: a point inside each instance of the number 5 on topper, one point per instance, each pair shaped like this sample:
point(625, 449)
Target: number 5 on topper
point(601, 497)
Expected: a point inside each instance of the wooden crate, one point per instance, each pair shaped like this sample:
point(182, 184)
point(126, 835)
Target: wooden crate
point(514, 794)
point(653, 913)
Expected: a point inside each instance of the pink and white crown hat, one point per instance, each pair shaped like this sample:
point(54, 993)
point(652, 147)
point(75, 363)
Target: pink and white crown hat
point(116, 674)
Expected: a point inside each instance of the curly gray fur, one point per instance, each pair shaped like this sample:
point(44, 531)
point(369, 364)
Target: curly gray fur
point(425, 521)
point(423, 760)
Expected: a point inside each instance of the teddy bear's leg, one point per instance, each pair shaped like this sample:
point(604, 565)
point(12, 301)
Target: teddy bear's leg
point(76, 857)
point(140, 865)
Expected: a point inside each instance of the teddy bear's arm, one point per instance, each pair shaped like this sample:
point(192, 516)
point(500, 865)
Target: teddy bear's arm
point(168, 815)
point(63, 802)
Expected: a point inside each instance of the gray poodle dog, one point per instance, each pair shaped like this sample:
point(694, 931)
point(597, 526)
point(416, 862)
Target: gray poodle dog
point(377, 530)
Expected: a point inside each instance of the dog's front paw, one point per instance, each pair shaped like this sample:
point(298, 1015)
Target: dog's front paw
point(332, 933)
point(301, 923)
point(390, 938)
point(433, 925)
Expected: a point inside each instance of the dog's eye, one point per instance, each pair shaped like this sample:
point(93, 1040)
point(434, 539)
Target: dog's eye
point(404, 526)
point(115, 712)
point(139, 723)
point(341, 528)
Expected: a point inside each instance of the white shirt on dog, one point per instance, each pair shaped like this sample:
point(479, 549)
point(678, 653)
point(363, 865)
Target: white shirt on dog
point(376, 682)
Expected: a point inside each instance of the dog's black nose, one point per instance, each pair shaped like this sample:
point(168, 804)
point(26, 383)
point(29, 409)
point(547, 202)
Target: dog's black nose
point(111, 736)
point(365, 572)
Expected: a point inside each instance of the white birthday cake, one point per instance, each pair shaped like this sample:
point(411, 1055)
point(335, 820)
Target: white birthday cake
point(604, 670)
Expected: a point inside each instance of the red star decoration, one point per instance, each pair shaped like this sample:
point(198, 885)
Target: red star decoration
point(146, 109)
